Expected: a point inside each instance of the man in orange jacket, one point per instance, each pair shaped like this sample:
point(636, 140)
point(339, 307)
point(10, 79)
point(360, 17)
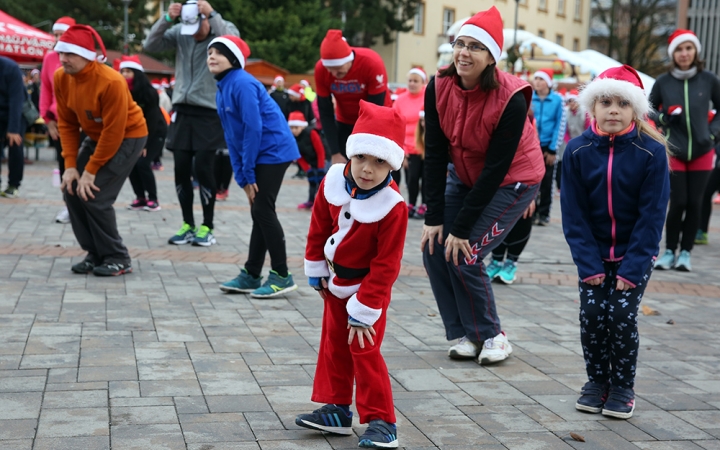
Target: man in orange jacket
point(93, 97)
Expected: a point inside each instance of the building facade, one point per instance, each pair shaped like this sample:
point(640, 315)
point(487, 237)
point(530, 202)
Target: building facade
point(565, 22)
point(703, 18)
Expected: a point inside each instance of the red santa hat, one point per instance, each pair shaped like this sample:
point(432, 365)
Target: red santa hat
point(278, 78)
point(296, 91)
point(623, 82)
point(546, 75)
point(172, 81)
point(572, 95)
point(63, 23)
point(297, 119)
point(304, 83)
point(164, 83)
point(680, 36)
point(80, 40)
point(237, 46)
point(334, 50)
point(379, 132)
point(486, 27)
point(156, 83)
point(418, 71)
point(131, 62)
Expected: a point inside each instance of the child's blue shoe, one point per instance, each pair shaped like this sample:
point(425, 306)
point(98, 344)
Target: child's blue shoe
point(329, 418)
point(243, 283)
point(379, 434)
point(592, 397)
point(275, 286)
point(620, 403)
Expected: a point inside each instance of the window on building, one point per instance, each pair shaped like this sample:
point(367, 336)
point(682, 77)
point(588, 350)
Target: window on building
point(561, 8)
point(448, 19)
point(578, 10)
point(419, 20)
point(523, 2)
point(559, 39)
point(541, 33)
point(521, 27)
point(542, 5)
point(576, 45)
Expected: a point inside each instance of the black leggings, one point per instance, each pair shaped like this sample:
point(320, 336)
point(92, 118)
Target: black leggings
point(713, 185)
point(267, 234)
point(55, 143)
point(686, 193)
point(515, 241)
point(223, 171)
point(142, 177)
point(546, 189)
point(413, 173)
point(205, 171)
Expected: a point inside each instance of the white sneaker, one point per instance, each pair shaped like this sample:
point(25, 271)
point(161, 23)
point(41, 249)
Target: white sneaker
point(464, 349)
point(495, 349)
point(63, 216)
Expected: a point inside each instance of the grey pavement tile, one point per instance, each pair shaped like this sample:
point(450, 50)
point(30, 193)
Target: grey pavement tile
point(564, 407)
point(160, 350)
point(106, 341)
point(166, 370)
point(11, 348)
point(423, 380)
point(237, 403)
point(24, 405)
point(16, 444)
point(73, 422)
point(550, 387)
point(532, 441)
point(49, 361)
point(600, 440)
point(73, 443)
point(228, 383)
point(289, 398)
point(179, 330)
point(191, 405)
point(170, 388)
point(234, 344)
point(22, 383)
point(17, 429)
point(664, 426)
point(75, 399)
point(675, 402)
point(459, 398)
point(214, 363)
point(319, 443)
point(148, 437)
point(56, 329)
point(450, 430)
point(47, 345)
point(287, 375)
point(236, 431)
point(263, 421)
point(94, 385)
point(62, 375)
point(488, 392)
point(224, 446)
point(700, 419)
point(141, 401)
point(511, 421)
point(124, 389)
point(107, 357)
point(433, 407)
point(670, 445)
point(142, 415)
point(626, 430)
point(108, 373)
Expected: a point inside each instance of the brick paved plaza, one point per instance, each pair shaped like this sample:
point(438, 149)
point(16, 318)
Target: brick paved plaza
point(161, 359)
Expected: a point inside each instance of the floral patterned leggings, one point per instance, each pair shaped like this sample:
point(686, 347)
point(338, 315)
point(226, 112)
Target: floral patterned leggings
point(609, 328)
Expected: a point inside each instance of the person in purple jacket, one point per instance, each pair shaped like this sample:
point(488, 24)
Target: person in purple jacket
point(615, 192)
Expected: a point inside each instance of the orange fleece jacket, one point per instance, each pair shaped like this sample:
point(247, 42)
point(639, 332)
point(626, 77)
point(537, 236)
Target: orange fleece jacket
point(96, 99)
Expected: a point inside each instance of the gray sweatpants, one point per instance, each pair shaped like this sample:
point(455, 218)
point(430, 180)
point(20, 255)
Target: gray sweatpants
point(463, 293)
point(93, 221)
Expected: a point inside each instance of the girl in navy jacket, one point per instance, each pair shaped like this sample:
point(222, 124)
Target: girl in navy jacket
point(261, 149)
point(613, 211)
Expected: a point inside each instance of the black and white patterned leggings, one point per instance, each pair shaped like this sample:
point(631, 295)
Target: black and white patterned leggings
point(609, 329)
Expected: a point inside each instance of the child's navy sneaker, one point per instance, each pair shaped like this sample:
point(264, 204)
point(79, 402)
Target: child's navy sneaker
point(620, 403)
point(329, 418)
point(592, 397)
point(379, 434)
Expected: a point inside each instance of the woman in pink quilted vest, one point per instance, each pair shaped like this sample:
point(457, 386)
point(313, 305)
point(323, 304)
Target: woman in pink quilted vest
point(483, 166)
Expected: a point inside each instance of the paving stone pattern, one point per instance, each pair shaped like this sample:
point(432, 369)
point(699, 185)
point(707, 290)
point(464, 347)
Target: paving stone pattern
point(161, 359)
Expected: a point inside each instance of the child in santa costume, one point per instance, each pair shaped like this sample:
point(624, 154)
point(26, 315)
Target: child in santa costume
point(312, 154)
point(352, 258)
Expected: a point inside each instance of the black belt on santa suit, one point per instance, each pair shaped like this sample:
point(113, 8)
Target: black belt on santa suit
point(346, 273)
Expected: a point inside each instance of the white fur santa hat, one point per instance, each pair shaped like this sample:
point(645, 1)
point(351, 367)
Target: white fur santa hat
point(297, 119)
point(80, 40)
point(418, 71)
point(131, 62)
point(379, 132)
point(486, 27)
point(680, 36)
point(545, 75)
point(334, 50)
point(63, 23)
point(237, 47)
point(623, 82)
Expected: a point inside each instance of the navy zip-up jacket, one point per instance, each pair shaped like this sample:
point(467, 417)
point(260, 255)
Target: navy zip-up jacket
point(614, 197)
point(255, 129)
point(12, 97)
point(549, 114)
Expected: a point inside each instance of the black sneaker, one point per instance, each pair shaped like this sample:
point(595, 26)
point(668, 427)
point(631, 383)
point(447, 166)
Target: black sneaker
point(329, 418)
point(620, 403)
point(592, 398)
point(84, 267)
point(111, 269)
point(543, 221)
point(379, 434)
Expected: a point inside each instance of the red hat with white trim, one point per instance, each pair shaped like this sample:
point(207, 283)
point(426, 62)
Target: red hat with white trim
point(63, 23)
point(680, 36)
point(164, 83)
point(486, 27)
point(546, 75)
point(572, 94)
point(172, 81)
point(304, 83)
point(297, 119)
point(131, 62)
point(296, 90)
point(379, 132)
point(156, 83)
point(418, 71)
point(623, 82)
point(237, 47)
point(80, 40)
point(334, 50)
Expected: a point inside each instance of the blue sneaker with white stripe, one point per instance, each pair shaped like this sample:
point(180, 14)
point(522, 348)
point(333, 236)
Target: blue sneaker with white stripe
point(379, 434)
point(329, 418)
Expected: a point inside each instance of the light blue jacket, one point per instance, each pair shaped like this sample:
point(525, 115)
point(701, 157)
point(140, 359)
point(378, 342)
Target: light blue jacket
point(549, 113)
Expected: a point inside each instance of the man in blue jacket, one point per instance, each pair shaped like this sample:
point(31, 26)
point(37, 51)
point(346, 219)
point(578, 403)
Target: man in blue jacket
point(548, 108)
point(12, 122)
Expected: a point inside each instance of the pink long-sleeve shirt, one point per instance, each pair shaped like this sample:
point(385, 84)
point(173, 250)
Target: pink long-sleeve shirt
point(48, 108)
point(409, 106)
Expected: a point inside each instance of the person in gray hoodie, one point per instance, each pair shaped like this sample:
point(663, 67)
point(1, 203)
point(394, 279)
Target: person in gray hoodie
point(195, 131)
point(682, 99)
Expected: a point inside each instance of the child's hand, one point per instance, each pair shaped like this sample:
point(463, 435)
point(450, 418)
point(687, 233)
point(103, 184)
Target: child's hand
point(622, 286)
point(597, 281)
point(362, 334)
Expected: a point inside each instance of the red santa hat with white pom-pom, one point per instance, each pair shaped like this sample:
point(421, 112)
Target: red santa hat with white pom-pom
point(379, 132)
point(131, 62)
point(680, 36)
point(63, 23)
point(486, 27)
point(334, 50)
point(623, 82)
point(297, 119)
point(80, 40)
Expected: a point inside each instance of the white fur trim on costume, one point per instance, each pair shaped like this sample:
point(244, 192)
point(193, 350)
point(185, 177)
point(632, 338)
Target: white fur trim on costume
point(66, 47)
point(131, 65)
point(316, 269)
point(297, 123)
point(335, 239)
point(334, 191)
point(610, 87)
point(685, 37)
point(232, 47)
point(338, 62)
point(377, 146)
point(484, 37)
point(60, 27)
point(544, 76)
point(341, 291)
point(362, 313)
point(417, 71)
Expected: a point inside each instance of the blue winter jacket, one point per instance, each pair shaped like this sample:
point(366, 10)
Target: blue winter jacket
point(255, 129)
point(614, 196)
point(549, 113)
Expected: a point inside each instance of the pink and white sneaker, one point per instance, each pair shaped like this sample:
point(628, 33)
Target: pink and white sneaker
point(495, 350)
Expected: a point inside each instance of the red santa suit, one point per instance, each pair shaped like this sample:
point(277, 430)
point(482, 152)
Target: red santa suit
point(358, 244)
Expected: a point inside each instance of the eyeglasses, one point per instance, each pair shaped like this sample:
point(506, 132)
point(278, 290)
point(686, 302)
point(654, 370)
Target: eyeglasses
point(472, 48)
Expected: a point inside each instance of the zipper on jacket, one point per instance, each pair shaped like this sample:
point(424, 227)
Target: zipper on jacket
point(609, 190)
point(687, 121)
